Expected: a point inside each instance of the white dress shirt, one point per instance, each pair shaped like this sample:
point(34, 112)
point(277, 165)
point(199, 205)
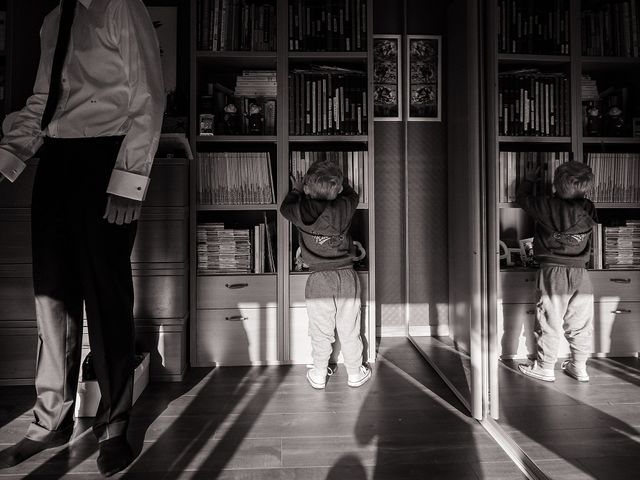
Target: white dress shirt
point(111, 85)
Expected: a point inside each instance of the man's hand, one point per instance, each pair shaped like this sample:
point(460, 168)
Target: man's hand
point(121, 210)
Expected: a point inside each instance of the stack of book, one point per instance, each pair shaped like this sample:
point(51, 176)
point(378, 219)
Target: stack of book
point(533, 26)
point(256, 83)
point(235, 178)
point(236, 25)
point(327, 101)
point(589, 89)
point(532, 103)
point(617, 177)
point(514, 166)
point(333, 25)
point(611, 28)
point(622, 246)
point(353, 165)
point(245, 250)
point(222, 250)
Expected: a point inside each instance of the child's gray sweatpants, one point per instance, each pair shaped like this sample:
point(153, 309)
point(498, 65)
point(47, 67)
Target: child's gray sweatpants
point(333, 303)
point(565, 303)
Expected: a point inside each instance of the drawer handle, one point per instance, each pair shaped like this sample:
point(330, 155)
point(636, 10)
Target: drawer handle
point(236, 318)
point(621, 310)
point(620, 280)
point(236, 286)
point(530, 312)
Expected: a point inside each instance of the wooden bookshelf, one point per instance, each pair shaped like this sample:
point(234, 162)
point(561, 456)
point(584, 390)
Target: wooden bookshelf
point(507, 222)
point(271, 304)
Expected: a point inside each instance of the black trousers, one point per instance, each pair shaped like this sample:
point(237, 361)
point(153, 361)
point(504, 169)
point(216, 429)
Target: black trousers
point(78, 256)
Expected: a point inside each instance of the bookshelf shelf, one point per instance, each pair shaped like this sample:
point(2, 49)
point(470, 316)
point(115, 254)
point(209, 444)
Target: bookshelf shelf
point(517, 58)
point(329, 56)
point(329, 138)
point(245, 275)
point(531, 139)
point(221, 208)
point(237, 139)
point(611, 140)
point(617, 205)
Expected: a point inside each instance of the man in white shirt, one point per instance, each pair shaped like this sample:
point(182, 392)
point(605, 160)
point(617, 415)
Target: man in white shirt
point(94, 121)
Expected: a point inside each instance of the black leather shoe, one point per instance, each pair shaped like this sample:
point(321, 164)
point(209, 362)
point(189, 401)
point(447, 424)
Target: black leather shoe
point(25, 449)
point(115, 455)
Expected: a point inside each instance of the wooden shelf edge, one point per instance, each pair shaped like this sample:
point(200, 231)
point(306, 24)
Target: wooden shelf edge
point(532, 139)
point(535, 58)
point(252, 207)
point(237, 139)
point(239, 274)
point(297, 55)
point(328, 138)
point(244, 54)
point(611, 140)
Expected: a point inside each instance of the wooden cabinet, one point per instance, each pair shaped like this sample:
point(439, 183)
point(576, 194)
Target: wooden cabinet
point(160, 275)
point(616, 327)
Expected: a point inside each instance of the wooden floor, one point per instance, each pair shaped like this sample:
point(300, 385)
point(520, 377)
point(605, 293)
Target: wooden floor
point(577, 430)
point(267, 423)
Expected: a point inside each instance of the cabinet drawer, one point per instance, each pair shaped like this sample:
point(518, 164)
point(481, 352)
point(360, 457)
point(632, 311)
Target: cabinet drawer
point(15, 239)
point(298, 282)
point(245, 291)
point(616, 286)
point(237, 336)
point(616, 330)
point(18, 352)
point(300, 344)
point(517, 287)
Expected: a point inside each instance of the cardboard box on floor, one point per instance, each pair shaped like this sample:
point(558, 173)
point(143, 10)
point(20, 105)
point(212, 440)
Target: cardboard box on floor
point(88, 395)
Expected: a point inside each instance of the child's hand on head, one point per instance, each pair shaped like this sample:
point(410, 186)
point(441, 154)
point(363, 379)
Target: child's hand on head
point(297, 182)
point(532, 174)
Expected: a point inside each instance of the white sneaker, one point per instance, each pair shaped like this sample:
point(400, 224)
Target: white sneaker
point(359, 378)
point(534, 370)
point(579, 373)
point(318, 378)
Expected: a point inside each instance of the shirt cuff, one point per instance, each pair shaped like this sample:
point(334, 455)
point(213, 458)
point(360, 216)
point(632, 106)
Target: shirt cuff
point(10, 165)
point(128, 185)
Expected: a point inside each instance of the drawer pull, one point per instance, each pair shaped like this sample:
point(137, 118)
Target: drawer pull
point(236, 318)
point(621, 310)
point(236, 286)
point(620, 280)
point(530, 312)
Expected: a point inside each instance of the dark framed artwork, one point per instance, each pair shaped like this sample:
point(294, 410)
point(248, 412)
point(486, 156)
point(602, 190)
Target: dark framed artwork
point(387, 105)
point(424, 78)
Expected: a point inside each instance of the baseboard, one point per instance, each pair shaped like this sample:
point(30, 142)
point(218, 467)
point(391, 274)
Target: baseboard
point(416, 331)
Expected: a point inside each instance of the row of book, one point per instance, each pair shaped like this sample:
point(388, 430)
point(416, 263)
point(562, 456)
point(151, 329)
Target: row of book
point(236, 25)
point(617, 177)
point(533, 26)
point(532, 103)
point(353, 165)
point(327, 101)
point(611, 28)
point(515, 165)
point(235, 178)
point(333, 25)
point(235, 250)
point(616, 247)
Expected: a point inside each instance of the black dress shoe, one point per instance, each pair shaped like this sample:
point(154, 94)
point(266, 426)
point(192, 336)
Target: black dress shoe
point(115, 455)
point(26, 448)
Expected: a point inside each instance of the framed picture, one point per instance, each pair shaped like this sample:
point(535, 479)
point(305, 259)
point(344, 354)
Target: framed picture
point(387, 105)
point(424, 78)
point(165, 21)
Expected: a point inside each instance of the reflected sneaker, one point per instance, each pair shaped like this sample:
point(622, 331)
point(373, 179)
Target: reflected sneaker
point(360, 378)
point(578, 372)
point(318, 377)
point(534, 370)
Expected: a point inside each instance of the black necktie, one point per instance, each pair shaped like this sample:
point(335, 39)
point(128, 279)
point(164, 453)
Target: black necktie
point(68, 9)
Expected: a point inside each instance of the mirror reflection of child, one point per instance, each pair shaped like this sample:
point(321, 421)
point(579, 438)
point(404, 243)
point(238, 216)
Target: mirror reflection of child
point(562, 244)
